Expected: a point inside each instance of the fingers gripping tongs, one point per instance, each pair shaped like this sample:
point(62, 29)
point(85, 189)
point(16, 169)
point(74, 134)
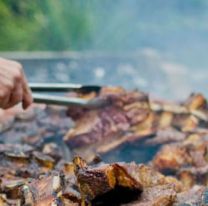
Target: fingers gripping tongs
point(40, 97)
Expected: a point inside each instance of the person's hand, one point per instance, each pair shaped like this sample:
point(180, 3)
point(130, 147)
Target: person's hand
point(13, 85)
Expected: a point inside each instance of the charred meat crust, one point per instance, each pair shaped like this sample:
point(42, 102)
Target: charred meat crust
point(34, 173)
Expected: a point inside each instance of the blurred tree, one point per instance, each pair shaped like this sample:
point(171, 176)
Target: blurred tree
point(44, 24)
point(101, 25)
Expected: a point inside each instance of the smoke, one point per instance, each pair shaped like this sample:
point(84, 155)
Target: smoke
point(176, 28)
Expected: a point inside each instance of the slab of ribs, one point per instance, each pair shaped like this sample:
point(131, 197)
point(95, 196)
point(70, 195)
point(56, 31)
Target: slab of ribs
point(52, 156)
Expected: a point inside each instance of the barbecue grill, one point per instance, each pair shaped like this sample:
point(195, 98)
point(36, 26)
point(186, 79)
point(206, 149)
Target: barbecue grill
point(53, 155)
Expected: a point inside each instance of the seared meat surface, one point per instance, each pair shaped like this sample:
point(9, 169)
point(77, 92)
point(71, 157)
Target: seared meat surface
point(36, 168)
point(102, 184)
point(133, 116)
point(103, 129)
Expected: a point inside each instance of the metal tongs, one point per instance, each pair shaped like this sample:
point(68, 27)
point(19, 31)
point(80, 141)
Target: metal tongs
point(40, 97)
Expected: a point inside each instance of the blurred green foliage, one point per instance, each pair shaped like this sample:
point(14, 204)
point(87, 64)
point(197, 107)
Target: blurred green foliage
point(44, 24)
point(113, 25)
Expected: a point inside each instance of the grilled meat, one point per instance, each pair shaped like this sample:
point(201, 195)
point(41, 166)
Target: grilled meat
point(78, 183)
point(109, 126)
point(191, 152)
point(132, 116)
point(34, 173)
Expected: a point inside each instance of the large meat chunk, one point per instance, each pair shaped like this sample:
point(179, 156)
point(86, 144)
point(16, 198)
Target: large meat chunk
point(190, 152)
point(121, 183)
point(125, 109)
point(107, 127)
point(94, 182)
